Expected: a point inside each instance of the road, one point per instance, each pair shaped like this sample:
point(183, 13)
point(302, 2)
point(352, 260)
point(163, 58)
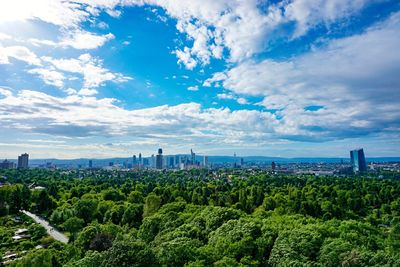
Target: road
point(50, 230)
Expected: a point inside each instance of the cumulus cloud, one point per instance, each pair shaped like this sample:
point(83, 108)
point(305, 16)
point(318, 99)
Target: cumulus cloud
point(92, 70)
point(85, 40)
point(244, 28)
point(18, 52)
point(77, 39)
point(193, 88)
point(354, 80)
point(241, 28)
point(83, 116)
point(49, 76)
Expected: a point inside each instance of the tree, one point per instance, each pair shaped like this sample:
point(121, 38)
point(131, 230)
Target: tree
point(73, 225)
point(101, 242)
point(151, 205)
point(130, 253)
point(86, 209)
point(133, 215)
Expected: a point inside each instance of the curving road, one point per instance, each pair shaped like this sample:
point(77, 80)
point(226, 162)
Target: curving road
point(50, 230)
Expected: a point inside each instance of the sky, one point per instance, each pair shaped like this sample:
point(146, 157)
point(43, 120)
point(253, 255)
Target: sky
point(112, 78)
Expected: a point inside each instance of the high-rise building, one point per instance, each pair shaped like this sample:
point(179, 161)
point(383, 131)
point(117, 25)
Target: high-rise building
point(273, 166)
point(193, 157)
point(90, 164)
point(205, 161)
point(153, 161)
point(7, 165)
point(159, 159)
point(134, 161)
point(358, 162)
point(140, 160)
point(23, 161)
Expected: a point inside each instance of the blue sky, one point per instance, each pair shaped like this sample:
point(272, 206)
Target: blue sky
point(276, 78)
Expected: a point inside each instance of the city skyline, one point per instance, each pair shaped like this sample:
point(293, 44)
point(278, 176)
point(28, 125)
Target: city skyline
point(101, 79)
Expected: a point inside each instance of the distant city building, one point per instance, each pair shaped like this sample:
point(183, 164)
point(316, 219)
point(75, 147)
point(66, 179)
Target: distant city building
point(273, 166)
point(7, 165)
point(140, 160)
point(358, 162)
point(241, 162)
point(153, 161)
point(23, 161)
point(134, 161)
point(171, 162)
point(111, 164)
point(193, 157)
point(205, 161)
point(146, 162)
point(159, 159)
point(90, 164)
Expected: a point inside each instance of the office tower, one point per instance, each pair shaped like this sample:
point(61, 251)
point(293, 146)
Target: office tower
point(177, 161)
point(134, 161)
point(23, 161)
point(159, 160)
point(90, 164)
point(273, 166)
point(146, 162)
point(358, 162)
point(193, 157)
point(171, 162)
point(111, 164)
point(241, 162)
point(140, 160)
point(205, 161)
point(7, 165)
point(153, 161)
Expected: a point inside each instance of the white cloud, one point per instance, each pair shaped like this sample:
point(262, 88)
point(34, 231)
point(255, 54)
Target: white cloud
point(244, 28)
point(87, 92)
point(308, 13)
point(77, 39)
point(4, 36)
point(92, 70)
point(49, 76)
point(185, 58)
point(354, 80)
point(85, 40)
point(83, 116)
point(225, 96)
point(193, 88)
point(18, 52)
point(242, 101)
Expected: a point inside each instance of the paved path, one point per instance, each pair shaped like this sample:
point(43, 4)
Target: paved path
point(50, 230)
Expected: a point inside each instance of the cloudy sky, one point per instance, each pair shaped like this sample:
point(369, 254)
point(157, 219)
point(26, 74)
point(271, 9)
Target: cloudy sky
point(292, 78)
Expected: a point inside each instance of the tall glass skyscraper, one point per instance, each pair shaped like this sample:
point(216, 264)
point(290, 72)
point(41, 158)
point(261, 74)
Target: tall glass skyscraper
point(159, 159)
point(358, 162)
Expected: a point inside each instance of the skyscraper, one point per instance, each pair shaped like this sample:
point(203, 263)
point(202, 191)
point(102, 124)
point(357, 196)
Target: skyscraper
point(140, 160)
point(358, 162)
point(159, 160)
point(23, 161)
point(205, 161)
point(134, 161)
point(193, 157)
point(90, 164)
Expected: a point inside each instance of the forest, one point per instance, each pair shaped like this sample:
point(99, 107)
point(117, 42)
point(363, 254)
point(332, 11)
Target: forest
point(200, 218)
